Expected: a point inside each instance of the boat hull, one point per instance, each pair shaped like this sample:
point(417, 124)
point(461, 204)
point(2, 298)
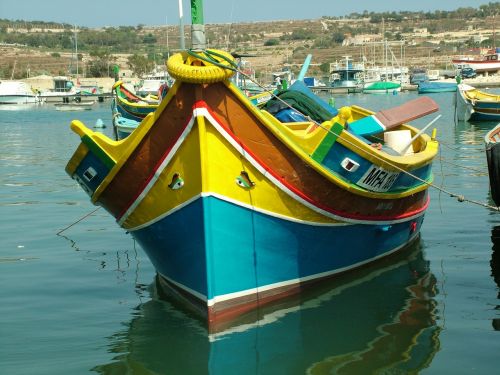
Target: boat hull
point(436, 87)
point(19, 99)
point(381, 87)
point(492, 141)
point(237, 258)
point(480, 66)
point(236, 209)
point(476, 106)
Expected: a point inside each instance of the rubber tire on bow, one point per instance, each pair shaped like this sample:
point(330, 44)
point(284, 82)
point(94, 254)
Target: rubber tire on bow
point(208, 73)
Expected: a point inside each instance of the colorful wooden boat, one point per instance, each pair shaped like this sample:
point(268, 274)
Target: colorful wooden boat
point(475, 105)
point(492, 143)
point(132, 106)
point(236, 208)
point(123, 126)
point(429, 87)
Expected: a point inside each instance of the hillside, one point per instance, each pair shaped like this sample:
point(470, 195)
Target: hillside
point(421, 42)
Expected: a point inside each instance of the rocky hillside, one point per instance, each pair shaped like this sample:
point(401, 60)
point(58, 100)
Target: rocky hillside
point(278, 44)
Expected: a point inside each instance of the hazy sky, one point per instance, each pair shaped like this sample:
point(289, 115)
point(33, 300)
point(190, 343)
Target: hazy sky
point(96, 13)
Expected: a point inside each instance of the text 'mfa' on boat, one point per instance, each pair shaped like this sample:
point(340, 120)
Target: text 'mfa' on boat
point(238, 205)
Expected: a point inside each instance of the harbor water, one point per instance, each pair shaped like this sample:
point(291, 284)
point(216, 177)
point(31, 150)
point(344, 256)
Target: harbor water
point(86, 301)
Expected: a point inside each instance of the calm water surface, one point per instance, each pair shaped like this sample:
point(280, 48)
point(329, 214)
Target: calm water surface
point(86, 300)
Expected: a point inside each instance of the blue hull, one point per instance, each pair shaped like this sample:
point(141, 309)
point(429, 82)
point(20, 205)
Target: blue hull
point(218, 251)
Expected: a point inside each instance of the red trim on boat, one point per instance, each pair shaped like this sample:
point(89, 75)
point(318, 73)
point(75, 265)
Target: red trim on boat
point(203, 104)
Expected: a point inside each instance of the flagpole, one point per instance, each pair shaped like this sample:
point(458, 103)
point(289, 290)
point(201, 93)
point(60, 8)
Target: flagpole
point(198, 39)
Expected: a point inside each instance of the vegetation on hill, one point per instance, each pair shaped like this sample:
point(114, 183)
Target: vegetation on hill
point(292, 40)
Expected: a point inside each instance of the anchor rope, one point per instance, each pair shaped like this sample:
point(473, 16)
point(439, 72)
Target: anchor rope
point(76, 222)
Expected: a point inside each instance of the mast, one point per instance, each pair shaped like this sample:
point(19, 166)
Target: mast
point(198, 39)
point(168, 45)
point(181, 26)
point(76, 51)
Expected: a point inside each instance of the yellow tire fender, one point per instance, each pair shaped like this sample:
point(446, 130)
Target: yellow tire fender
point(186, 68)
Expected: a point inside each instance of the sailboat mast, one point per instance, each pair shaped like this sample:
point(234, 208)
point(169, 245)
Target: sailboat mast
point(76, 51)
point(198, 39)
point(181, 26)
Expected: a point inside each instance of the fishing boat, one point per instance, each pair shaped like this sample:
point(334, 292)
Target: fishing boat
point(17, 92)
point(489, 62)
point(151, 83)
point(475, 105)
point(429, 87)
point(122, 126)
point(132, 106)
point(236, 208)
point(492, 143)
point(347, 75)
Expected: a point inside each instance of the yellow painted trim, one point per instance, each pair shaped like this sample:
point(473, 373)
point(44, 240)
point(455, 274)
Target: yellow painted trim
point(120, 151)
point(76, 159)
point(209, 165)
point(299, 145)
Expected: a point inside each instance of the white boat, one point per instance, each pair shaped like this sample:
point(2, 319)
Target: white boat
point(489, 62)
point(74, 106)
point(151, 83)
point(63, 91)
point(17, 92)
point(347, 74)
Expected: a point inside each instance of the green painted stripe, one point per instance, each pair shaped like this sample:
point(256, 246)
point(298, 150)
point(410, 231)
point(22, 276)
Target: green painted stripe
point(326, 144)
point(97, 151)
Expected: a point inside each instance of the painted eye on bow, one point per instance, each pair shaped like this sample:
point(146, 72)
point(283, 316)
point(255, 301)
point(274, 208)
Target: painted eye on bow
point(244, 181)
point(177, 182)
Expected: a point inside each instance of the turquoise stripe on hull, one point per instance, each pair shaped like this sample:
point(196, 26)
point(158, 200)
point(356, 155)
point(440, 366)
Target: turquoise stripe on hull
point(214, 247)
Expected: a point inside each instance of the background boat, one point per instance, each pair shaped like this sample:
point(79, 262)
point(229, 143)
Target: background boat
point(74, 106)
point(346, 74)
point(381, 87)
point(150, 83)
point(492, 143)
point(488, 62)
point(132, 106)
point(17, 92)
point(476, 105)
point(429, 87)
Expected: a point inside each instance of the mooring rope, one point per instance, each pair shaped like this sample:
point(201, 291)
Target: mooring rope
point(76, 222)
point(459, 197)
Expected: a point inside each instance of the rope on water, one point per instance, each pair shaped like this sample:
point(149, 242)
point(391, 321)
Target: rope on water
point(76, 222)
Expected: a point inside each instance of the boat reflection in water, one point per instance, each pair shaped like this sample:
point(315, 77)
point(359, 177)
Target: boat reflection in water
point(381, 319)
point(495, 269)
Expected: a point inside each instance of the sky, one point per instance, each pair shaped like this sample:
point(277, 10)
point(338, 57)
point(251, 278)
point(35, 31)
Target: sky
point(99, 13)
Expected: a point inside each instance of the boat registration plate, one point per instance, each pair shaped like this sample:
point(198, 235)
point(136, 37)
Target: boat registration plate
point(378, 179)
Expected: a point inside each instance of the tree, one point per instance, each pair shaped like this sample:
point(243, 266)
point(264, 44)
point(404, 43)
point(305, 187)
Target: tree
point(98, 66)
point(139, 64)
point(271, 42)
